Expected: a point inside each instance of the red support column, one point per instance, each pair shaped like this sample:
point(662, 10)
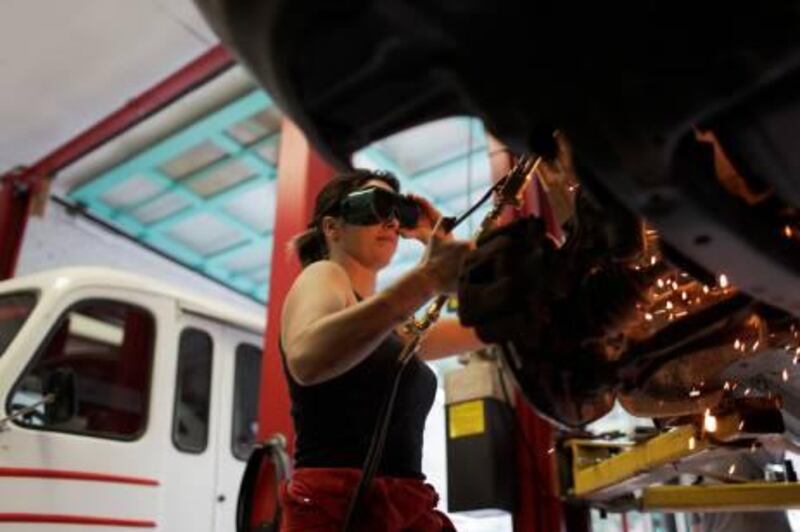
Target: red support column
point(539, 507)
point(538, 504)
point(301, 175)
point(16, 196)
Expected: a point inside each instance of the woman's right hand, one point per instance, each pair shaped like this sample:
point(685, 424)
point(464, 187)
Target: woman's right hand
point(442, 259)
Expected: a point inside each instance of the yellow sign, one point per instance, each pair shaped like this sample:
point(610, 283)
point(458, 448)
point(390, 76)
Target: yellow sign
point(467, 419)
point(452, 304)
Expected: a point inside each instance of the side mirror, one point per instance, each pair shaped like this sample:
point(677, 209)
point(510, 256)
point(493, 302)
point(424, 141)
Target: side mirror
point(64, 405)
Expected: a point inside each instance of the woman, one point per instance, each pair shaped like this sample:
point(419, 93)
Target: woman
point(340, 339)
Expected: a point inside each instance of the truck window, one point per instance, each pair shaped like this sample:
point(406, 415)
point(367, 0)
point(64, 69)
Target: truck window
point(247, 377)
point(192, 391)
point(14, 310)
point(96, 365)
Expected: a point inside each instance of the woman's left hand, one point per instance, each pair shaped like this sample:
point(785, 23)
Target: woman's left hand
point(429, 215)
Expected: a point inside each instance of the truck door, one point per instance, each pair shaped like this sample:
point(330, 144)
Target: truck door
point(83, 458)
point(239, 417)
point(192, 445)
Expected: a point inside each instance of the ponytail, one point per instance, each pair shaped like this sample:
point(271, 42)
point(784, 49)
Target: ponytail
point(310, 246)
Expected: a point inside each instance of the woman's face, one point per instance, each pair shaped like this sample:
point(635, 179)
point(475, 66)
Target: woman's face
point(371, 245)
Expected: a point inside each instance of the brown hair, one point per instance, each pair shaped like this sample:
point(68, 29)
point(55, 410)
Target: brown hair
point(311, 245)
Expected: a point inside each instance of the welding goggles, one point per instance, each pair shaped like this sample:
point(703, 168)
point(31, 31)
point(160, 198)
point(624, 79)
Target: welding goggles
point(374, 205)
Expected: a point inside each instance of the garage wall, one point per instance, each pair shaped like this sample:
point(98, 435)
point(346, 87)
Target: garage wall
point(61, 239)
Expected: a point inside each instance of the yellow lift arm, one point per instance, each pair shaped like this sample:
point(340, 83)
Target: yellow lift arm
point(602, 472)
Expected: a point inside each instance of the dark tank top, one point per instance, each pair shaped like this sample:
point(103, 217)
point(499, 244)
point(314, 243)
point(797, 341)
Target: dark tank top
point(334, 420)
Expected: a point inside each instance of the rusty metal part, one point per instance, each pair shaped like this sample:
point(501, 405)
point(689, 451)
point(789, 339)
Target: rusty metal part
point(607, 315)
point(694, 382)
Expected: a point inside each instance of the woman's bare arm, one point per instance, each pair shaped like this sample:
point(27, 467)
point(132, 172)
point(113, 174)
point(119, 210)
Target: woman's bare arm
point(326, 332)
point(448, 337)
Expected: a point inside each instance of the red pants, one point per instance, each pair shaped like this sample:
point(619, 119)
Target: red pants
point(317, 499)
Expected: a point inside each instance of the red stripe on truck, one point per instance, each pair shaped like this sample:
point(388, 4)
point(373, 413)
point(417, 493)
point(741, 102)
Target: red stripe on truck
point(74, 520)
point(27, 472)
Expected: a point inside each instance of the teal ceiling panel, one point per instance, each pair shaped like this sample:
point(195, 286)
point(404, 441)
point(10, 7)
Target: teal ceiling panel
point(250, 207)
point(174, 195)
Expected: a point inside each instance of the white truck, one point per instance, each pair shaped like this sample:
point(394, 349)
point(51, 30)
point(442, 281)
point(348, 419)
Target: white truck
point(126, 404)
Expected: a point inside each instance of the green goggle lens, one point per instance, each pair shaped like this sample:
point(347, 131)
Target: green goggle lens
point(374, 205)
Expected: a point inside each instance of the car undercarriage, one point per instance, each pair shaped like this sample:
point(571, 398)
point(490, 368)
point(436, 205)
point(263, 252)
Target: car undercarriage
point(668, 131)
